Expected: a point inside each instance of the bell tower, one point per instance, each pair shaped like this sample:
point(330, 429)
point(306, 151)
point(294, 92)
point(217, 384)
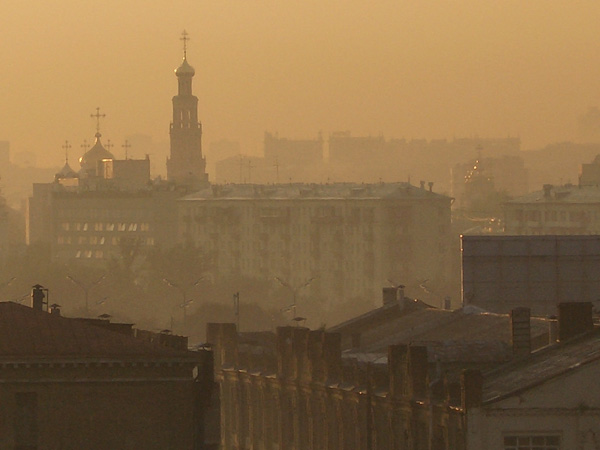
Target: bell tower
point(186, 165)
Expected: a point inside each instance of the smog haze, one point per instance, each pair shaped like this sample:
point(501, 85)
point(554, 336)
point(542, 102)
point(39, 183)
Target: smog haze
point(432, 69)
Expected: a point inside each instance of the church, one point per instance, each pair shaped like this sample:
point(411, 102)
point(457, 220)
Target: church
point(109, 205)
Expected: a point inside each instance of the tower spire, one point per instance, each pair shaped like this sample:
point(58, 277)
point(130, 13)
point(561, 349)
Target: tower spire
point(97, 116)
point(185, 38)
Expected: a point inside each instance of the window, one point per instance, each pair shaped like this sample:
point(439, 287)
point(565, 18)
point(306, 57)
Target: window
point(540, 442)
point(26, 426)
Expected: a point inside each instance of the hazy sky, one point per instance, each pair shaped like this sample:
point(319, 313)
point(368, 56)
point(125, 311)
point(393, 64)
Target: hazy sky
point(414, 69)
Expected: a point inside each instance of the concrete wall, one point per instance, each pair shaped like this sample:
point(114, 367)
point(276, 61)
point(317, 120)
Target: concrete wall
point(500, 273)
point(116, 407)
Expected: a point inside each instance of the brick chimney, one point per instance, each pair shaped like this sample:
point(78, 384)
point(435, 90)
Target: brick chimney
point(574, 318)
point(471, 381)
point(417, 371)
point(390, 296)
point(520, 320)
point(397, 368)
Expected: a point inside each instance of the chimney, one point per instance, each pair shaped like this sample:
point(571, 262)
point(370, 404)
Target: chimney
point(390, 296)
point(38, 296)
point(471, 381)
point(418, 371)
point(520, 321)
point(54, 309)
point(447, 303)
point(430, 184)
point(223, 338)
point(547, 190)
point(285, 358)
point(397, 369)
point(552, 330)
point(574, 318)
point(422, 184)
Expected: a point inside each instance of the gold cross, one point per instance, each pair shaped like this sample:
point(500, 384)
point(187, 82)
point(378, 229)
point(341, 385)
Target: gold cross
point(98, 116)
point(66, 148)
point(184, 37)
point(126, 146)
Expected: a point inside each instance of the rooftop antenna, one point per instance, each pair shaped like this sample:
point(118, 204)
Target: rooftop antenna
point(98, 116)
point(250, 167)
point(276, 165)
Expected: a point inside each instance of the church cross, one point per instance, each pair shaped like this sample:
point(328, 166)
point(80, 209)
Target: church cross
point(85, 145)
point(109, 145)
point(66, 148)
point(98, 116)
point(185, 38)
point(126, 146)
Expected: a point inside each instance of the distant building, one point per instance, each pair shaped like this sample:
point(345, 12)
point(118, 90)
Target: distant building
point(554, 210)
point(244, 169)
point(186, 164)
point(590, 173)
point(293, 152)
point(500, 273)
point(71, 383)
point(478, 179)
point(348, 238)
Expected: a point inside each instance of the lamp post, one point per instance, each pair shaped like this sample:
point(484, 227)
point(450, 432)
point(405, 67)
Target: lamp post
point(294, 290)
point(86, 287)
point(184, 291)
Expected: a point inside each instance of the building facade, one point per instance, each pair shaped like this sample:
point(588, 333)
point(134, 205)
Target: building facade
point(547, 401)
point(500, 273)
point(301, 395)
point(69, 383)
point(347, 239)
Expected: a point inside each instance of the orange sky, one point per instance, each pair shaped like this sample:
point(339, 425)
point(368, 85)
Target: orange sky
point(413, 69)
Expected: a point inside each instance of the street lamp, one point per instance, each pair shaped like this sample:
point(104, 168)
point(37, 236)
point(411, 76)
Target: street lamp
point(86, 287)
point(294, 290)
point(184, 291)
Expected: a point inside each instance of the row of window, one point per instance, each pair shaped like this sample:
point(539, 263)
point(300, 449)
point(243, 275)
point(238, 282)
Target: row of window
point(539, 442)
point(96, 240)
point(556, 216)
point(104, 226)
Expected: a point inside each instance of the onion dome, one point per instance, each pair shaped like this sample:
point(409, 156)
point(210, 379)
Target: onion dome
point(66, 172)
point(89, 161)
point(185, 69)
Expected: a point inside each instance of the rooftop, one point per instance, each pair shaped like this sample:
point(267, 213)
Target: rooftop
point(544, 365)
point(314, 191)
point(30, 334)
point(561, 194)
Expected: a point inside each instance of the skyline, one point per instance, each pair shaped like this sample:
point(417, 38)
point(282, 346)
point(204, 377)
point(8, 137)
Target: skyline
point(433, 70)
